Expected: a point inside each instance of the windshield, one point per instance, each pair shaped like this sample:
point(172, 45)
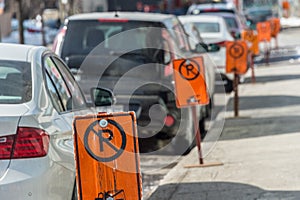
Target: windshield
point(84, 36)
point(15, 78)
point(260, 12)
point(204, 27)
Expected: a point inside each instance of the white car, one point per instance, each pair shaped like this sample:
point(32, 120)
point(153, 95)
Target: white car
point(38, 100)
point(212, 6)
point(213, 30)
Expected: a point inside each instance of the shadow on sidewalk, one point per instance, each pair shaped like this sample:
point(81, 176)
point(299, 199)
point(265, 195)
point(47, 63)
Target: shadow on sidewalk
point(259, 127)
point(219, 191)
point(265, 79)
point(262, 102)
point(276, 122)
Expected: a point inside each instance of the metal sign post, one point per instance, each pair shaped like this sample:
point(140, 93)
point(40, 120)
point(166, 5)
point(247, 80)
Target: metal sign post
point(191, 91)
point(236, 62)
point(236, 95)
point(264, 35)
point(251, 37)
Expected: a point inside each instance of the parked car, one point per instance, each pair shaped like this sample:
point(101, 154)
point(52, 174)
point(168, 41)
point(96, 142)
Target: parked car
point(39, 98)
point(214, 31)
point(211, 6)
point(259, 14)
point(131, 53)
point(197, 44)
point(236, 23)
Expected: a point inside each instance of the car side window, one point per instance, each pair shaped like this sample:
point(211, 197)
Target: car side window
point(63, 90)
point(78, 99)
point(58, 84)
point(53, 92)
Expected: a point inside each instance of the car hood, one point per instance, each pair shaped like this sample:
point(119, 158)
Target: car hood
point(9, 119)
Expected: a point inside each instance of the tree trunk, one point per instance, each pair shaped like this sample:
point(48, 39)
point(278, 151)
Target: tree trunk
point(20, 20)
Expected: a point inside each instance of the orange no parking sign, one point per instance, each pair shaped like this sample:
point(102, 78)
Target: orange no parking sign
point(190, 85)
point(107, 158)
point(275, 26)
point(264, 31)
point(250, 36)
point(236, 57)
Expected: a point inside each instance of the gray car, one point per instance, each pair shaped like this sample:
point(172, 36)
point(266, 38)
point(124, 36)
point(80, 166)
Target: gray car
point(131, 53)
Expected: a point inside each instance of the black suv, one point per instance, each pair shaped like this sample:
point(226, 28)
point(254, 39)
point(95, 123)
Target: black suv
point(131, 54)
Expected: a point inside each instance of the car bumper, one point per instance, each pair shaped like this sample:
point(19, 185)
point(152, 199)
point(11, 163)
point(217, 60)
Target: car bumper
point(36, 179)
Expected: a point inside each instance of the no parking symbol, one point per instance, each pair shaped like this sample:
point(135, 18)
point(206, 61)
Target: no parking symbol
point(190, 85)
point(107, 156)
point(236, 57)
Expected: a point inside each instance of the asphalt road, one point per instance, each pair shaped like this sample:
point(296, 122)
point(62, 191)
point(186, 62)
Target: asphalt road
point(155, 168)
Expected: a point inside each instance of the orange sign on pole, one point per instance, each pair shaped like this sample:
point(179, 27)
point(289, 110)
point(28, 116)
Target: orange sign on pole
point(286, 8)
point(191, 90)
point(236, 57)
point(275, 26)
point(107, 157)
point(190, 85)
point(250, 36)
point(263, 31)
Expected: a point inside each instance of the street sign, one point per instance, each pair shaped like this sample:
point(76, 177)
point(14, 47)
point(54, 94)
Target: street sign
point(236, 57)
point(190, 85)
point(250, 36)
point(107, 157)
point(263, 31)
point(275, 26)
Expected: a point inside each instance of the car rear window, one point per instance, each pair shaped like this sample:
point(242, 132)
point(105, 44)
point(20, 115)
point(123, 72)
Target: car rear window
point(84, 36)
point(231, 22)
point(205, 27)
point(15, 82)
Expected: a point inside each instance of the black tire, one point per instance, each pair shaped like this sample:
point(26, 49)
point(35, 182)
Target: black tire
point(228, 86)
point(202, 128)
point(74, 195)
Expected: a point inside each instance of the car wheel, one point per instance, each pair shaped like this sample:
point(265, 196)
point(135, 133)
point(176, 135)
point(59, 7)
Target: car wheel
point(74, 195)
point(184, 141)
point(208, 108)
point(228, 86)
point(202, 128)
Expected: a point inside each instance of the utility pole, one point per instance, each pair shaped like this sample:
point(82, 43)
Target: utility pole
point(20, 21)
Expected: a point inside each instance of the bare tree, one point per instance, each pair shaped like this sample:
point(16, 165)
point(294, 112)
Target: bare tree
point(20, 21)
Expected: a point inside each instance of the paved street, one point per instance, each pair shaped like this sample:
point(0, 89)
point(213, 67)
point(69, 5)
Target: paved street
point(261, 104)
point(259, 149)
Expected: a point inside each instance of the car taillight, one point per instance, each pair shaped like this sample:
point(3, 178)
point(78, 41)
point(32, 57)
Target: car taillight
point(6, 144)
point(211, 10)
point(221, 44)
point(27, 143)
point(59, 37)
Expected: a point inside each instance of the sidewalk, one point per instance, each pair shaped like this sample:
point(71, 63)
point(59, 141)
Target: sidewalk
point(260, 150)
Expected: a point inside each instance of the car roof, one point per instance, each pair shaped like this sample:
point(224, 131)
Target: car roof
point(221, 6)
point(134, 16)
point(200, 18)
point(222, 14)
point(17, 52)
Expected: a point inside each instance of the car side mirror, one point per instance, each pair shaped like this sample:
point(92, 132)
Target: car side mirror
point(102, 97)
point(235, 35)
point(213, 48)
point(201, 48)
